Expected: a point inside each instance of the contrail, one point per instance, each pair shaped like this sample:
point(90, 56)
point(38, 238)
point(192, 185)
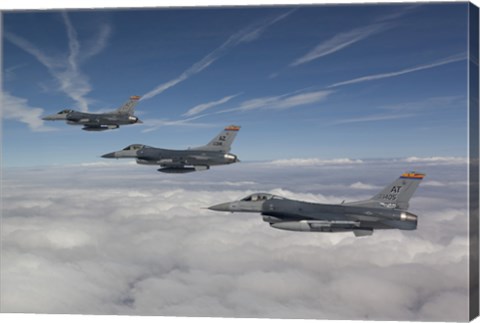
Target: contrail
point(245, 35)
point(448, 60)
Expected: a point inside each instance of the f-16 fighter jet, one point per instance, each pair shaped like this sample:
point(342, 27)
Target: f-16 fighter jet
point(100, 121)
point(386, 210)
point(216, 152)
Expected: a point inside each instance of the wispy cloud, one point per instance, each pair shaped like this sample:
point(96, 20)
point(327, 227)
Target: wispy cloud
point(98, 44)
point(9, 73)
point(374, 117)
point(340, 41)
point(154, 124)
point(398, 13)
point(66, 69)
point(408, 109)
point(346, 39)
point(205, 106)
point(435, 103)
point(280, 102)
point(15, 108)
point(245, 35)
point(448, 60)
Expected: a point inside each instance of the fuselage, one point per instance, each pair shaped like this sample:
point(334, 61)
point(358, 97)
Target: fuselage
point(293, 215)
point(175, 160)
point(94, 121)
point(99, 121)
point(107, 119)
point(375, 218)
point(188, 157)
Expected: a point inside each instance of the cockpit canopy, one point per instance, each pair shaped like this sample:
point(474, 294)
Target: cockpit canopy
point(260, 197)
point(134, 147)
point(66, 111)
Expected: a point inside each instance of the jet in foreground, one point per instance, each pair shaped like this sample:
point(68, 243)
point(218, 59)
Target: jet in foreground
point(386, 210)
point(100, 121)
point(216, 152)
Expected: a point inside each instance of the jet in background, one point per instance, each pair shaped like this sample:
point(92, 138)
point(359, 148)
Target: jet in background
point(216, 152)
point(100, 121)
point(386, 210)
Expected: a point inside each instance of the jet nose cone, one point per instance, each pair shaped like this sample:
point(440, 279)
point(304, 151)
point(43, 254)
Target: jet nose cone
point(109, 155)
point(139, 121)
point(225, 207)
point(48, 118)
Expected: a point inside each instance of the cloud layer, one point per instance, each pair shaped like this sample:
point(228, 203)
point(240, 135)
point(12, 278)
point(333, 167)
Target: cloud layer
point(124, 239)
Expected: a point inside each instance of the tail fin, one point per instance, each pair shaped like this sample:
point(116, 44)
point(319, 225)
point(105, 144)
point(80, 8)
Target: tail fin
point(397, 194)
point(129, 106)
point(223, 141)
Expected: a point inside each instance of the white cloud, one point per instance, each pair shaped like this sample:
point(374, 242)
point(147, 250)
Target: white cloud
point(205, 106)
point(247, 34)
point(154, 124)
point(285, 101)
point(339, 42)
point(364, 186)
point(66, 69)
point(129, 240)
point(98, 44)
point(374, 117)
point(434, 183)
point(437, 160)
point(407, 109)
point(346, 39)
point(437, 103)
point(448, 60)
point(280, 102)
point(18, 109)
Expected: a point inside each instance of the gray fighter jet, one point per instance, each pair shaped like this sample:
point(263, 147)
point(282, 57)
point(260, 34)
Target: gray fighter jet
point(216, 152)
point(386, 210)
point(100, 121)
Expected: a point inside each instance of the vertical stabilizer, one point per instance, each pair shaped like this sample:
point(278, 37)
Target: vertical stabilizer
point(400, 191)
point(223, 141)
point(129, 106)
point(395, 195)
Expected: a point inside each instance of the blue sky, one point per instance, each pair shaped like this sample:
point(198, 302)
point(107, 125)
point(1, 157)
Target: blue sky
point(345, 81)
